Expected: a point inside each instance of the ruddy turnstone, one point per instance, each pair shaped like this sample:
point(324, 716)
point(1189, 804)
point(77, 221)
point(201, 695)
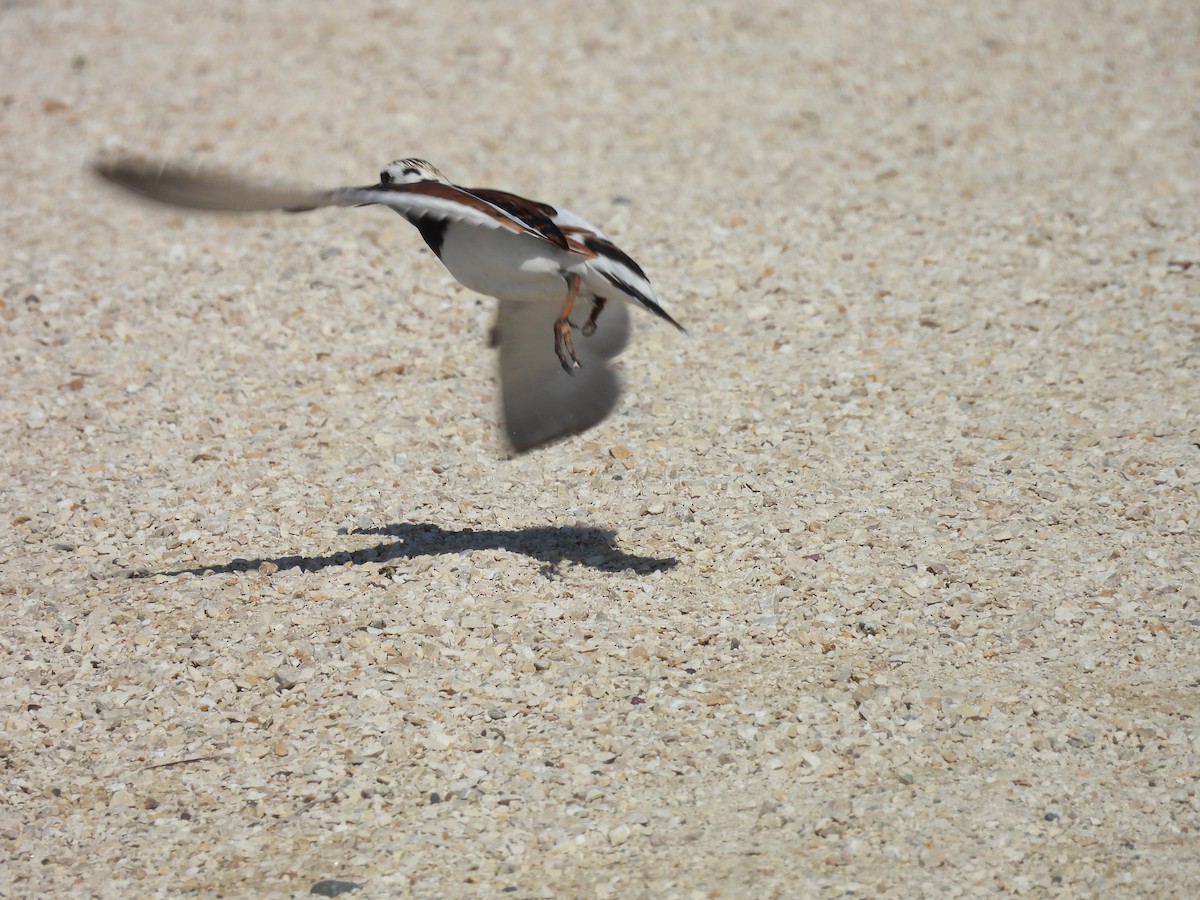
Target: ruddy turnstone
point(538, 260)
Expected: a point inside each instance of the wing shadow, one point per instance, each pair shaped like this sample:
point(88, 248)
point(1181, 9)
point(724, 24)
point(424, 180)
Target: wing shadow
point(595, 548)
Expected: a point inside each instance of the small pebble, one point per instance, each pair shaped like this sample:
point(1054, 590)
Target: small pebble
point(931, 857)
point(619, 835)
point(331, 887)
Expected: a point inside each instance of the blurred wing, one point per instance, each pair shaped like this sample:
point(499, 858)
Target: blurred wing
point(177, 186)
point(541, 402)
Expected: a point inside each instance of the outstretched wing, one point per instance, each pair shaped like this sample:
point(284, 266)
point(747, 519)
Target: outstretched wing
point(417, 202)
point(542, 403)
point(178, 186)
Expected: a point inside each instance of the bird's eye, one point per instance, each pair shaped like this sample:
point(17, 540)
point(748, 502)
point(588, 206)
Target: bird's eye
point(385, 177)
point(411, 171)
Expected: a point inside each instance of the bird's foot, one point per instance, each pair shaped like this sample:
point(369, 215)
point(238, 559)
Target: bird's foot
point(589, 327)
point(563, 346)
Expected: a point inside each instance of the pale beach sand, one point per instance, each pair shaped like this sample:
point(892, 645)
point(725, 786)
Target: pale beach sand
point(885, 581)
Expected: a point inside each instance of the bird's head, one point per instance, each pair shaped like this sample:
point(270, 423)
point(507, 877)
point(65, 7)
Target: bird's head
point(411, 171)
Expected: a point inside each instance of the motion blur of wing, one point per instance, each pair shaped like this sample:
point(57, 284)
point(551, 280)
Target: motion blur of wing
point(178, 186)
point(542, 403)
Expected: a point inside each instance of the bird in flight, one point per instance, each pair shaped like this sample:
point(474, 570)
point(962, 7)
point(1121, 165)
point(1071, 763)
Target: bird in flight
point(540, 262)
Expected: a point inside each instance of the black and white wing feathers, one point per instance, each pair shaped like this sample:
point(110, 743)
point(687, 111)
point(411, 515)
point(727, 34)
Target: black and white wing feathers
point(418, 201)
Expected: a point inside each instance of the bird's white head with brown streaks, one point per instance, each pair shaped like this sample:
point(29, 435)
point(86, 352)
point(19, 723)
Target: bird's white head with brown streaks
point(411, 171)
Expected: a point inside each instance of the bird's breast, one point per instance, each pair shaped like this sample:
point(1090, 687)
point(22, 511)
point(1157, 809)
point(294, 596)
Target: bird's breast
point(503, 264)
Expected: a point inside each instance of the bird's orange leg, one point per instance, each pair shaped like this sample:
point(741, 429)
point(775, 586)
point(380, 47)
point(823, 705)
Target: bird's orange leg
point(562, 328)
point(589, 327)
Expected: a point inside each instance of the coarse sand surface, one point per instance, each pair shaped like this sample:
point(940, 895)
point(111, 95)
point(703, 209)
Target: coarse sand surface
point(883, 581)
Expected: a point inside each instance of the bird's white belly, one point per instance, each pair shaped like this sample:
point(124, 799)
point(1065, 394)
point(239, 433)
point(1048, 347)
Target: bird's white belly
point(503, 264)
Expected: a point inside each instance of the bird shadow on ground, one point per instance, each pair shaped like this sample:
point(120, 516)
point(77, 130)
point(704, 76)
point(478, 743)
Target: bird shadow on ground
point(595, 548)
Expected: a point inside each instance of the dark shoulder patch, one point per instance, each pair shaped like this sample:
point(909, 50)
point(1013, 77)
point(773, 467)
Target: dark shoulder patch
point(433, 231)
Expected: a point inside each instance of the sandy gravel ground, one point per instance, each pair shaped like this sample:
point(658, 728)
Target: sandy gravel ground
point(883, 582)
